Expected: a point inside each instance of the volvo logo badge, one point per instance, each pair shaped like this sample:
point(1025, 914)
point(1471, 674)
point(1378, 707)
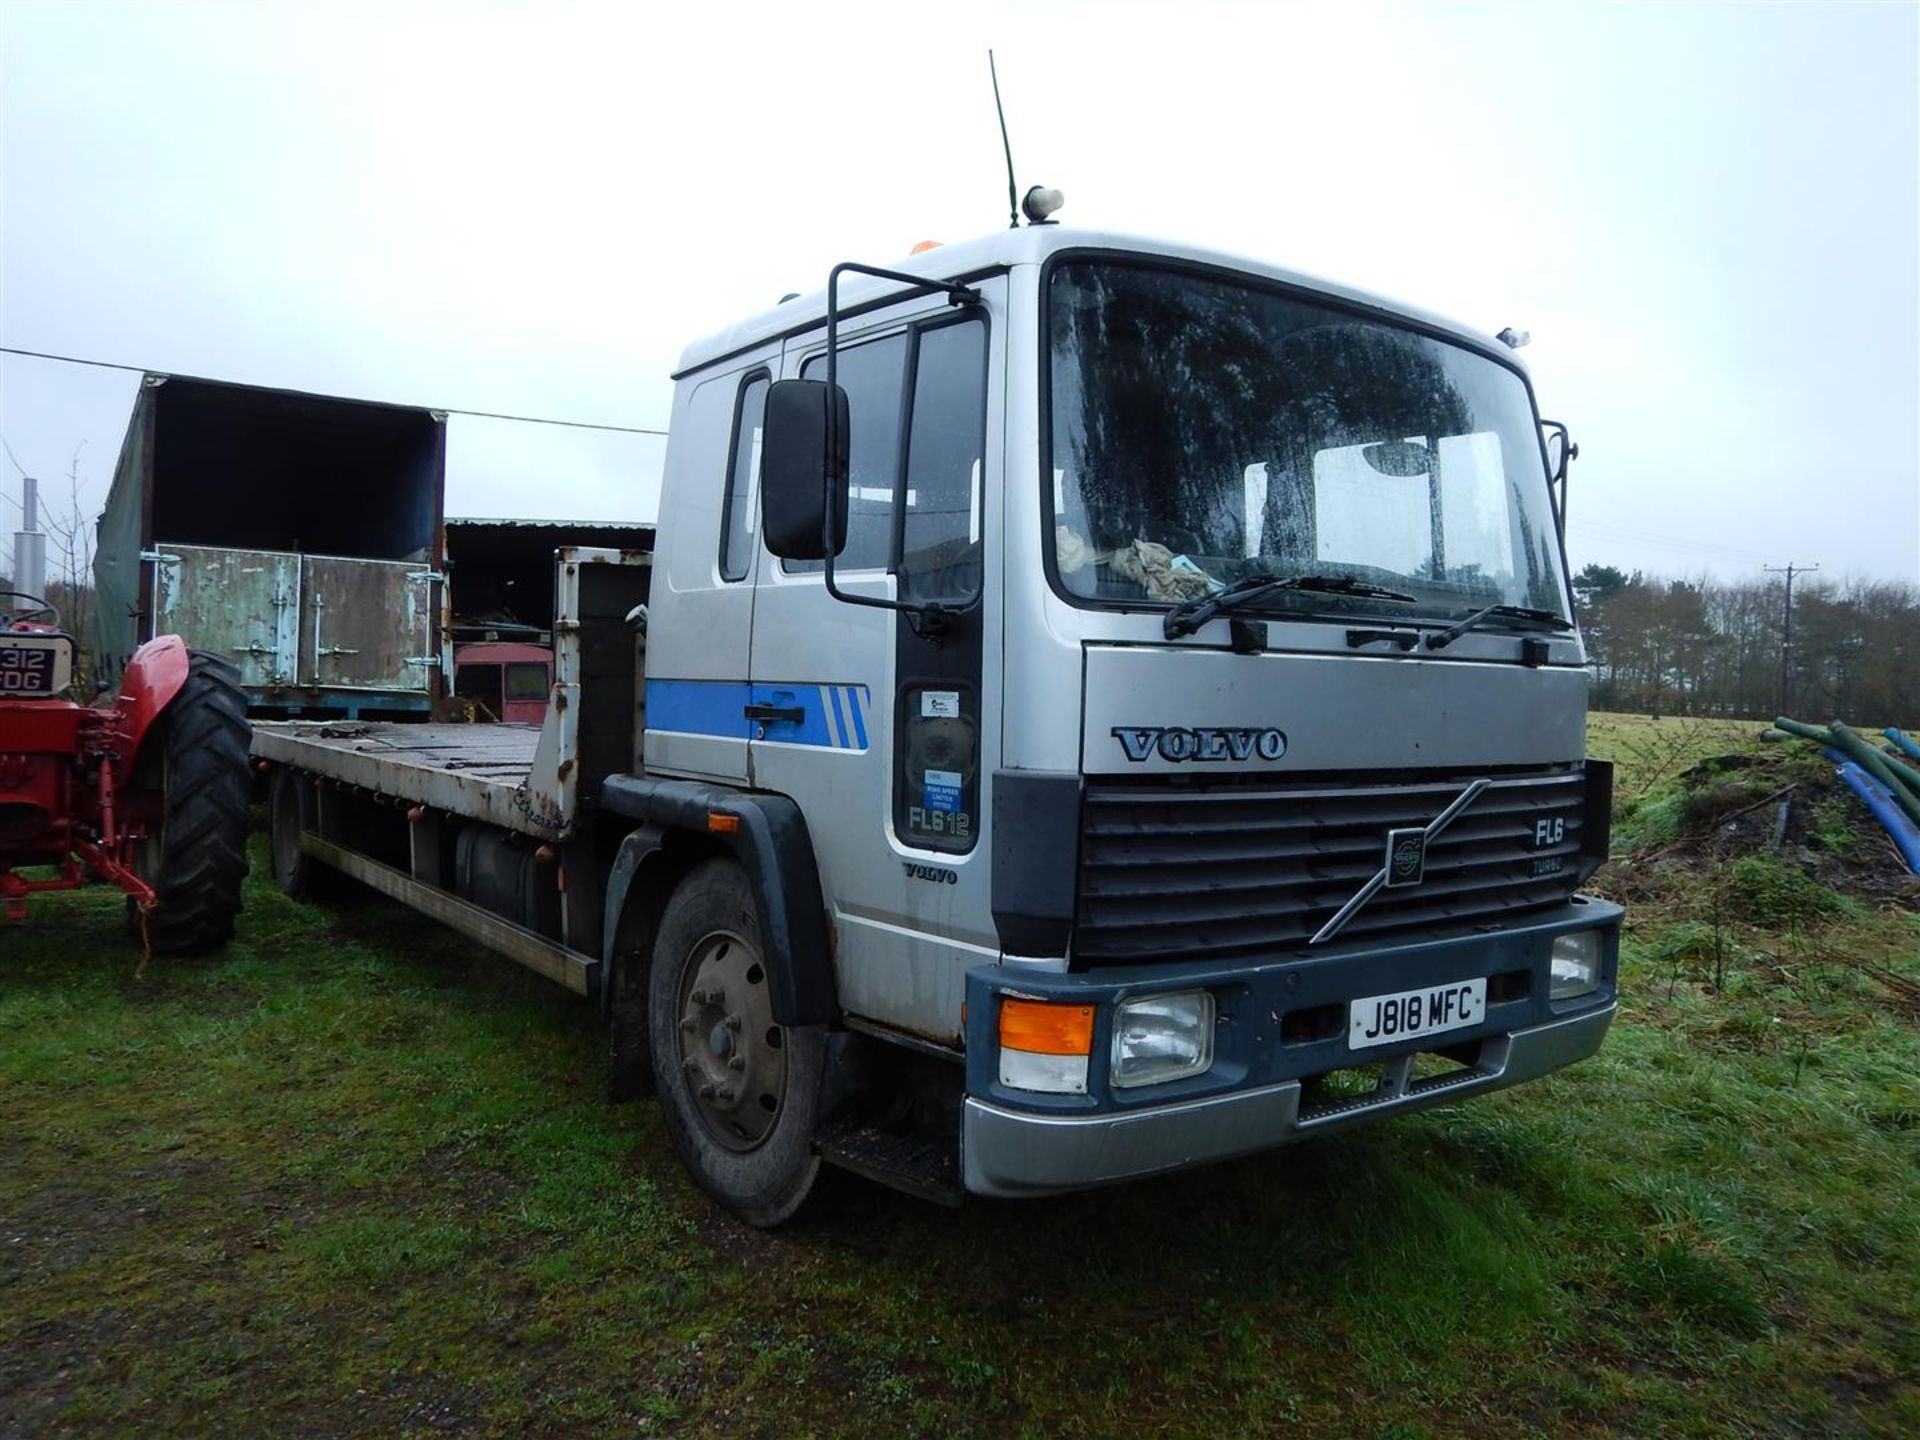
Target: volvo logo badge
point(1406, 857)
point(1178, 744)
point(1406, 862)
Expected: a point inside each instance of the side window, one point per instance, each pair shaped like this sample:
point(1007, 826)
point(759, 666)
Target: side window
point(872, 375)
point(946, 450)
point(743, 480)
point(526, 680)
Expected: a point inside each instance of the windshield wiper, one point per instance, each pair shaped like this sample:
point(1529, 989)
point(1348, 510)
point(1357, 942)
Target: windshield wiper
point(1189, 615)
point(1509, 613)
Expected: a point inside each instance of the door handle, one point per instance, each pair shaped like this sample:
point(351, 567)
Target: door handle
point(776, 714)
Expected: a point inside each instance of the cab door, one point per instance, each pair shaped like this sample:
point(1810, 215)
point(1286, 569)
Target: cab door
point(876, 729)
point(697, 682)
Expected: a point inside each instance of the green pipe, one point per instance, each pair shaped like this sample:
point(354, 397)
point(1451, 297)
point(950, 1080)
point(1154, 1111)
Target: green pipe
point(1901, 768)
point(1805, 732)
point(1872, 761)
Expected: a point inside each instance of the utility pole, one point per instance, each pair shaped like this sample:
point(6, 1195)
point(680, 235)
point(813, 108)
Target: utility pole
point(1786, 628)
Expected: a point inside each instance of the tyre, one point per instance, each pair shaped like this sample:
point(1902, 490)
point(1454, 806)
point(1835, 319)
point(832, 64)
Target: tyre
point(739, 1092)
point(291, 810)
point(195, 858)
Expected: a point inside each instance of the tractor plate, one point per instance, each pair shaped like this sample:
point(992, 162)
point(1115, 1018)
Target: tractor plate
point(34, 667)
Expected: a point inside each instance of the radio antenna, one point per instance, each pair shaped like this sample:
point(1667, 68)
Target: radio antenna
point(1013, 191)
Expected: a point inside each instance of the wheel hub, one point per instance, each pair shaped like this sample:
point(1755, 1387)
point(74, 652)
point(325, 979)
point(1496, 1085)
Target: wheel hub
point(731, 1051)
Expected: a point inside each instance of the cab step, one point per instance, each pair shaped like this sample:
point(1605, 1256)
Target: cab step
point(922, 1166)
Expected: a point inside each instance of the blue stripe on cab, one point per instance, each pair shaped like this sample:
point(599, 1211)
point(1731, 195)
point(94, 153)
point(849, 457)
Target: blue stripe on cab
point(699, 707)
point(831, 714)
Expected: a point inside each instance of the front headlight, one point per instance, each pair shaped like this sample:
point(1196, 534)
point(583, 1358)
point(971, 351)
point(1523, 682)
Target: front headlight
point(1158, 1038)
point(1576, 964)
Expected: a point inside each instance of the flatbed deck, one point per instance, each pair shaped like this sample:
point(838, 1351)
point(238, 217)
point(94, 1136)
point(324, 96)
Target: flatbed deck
point(479, 771)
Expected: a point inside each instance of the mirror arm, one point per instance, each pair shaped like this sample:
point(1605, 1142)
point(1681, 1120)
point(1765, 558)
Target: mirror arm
point(1569, 452)
point(934, 616)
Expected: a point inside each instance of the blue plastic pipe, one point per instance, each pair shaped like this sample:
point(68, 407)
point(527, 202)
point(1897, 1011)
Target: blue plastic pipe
point(1906, 835)
point(1900, 738)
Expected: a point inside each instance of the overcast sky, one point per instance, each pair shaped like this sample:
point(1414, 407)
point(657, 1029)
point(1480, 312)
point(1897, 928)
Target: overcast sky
point(1708, 216)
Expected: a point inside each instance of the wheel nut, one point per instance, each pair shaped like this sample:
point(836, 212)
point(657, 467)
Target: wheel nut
point(733, 1023)
point(686, 1025)
point(725, 1095)
point(737, 1062)
point(706, 1092)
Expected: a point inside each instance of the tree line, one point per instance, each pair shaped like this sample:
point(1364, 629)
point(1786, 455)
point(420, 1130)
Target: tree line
point(1712, 647)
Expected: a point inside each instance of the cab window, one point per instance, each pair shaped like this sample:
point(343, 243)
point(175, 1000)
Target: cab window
point(873, 375)
point(946, 450)
point(915, 457)
point(526, 680)
point(743, 479)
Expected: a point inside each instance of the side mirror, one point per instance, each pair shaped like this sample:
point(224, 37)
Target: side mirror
point(1560, 450)
point(798, 476)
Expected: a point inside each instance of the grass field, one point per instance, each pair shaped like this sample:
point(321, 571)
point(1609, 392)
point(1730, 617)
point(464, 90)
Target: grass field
point(353, 1178)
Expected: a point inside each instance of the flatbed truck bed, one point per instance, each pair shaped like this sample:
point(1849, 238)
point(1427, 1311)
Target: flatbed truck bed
point(476, 771)
point(484, 827)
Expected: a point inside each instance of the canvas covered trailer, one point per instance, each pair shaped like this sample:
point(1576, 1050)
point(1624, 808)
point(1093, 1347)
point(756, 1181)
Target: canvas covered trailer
point(299, 536)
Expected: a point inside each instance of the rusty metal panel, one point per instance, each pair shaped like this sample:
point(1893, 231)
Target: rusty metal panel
point(241, 603)
point(591, 621)
point(367, 624)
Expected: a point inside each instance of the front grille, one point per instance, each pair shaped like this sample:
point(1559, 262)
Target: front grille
point(1181, 872)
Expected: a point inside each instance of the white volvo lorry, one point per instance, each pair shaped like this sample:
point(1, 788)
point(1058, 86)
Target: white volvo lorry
point(1093, 707)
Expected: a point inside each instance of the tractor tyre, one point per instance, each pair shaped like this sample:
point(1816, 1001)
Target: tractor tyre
point(196, 859)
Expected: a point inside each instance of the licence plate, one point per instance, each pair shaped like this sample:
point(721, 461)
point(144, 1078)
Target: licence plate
point(34, 666)
point(1383, 1019)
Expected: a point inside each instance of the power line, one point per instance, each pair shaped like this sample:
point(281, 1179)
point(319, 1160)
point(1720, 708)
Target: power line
point(1664, 542)
point(443, 409)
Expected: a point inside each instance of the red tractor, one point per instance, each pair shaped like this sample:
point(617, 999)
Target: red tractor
point(149, 794)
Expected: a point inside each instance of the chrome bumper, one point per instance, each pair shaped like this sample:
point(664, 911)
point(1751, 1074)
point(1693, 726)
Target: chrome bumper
point(1014, 1152)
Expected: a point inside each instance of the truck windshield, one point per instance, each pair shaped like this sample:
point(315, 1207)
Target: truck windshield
point(1205, 430)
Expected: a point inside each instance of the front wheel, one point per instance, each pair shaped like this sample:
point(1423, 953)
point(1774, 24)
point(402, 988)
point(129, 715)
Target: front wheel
point(195, 856)
point(740, 1093)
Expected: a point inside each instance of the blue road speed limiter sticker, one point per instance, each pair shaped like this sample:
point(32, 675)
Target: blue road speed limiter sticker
point(940, 790)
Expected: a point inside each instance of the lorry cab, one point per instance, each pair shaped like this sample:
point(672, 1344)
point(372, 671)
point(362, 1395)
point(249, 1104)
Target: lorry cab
point(1173, 661)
